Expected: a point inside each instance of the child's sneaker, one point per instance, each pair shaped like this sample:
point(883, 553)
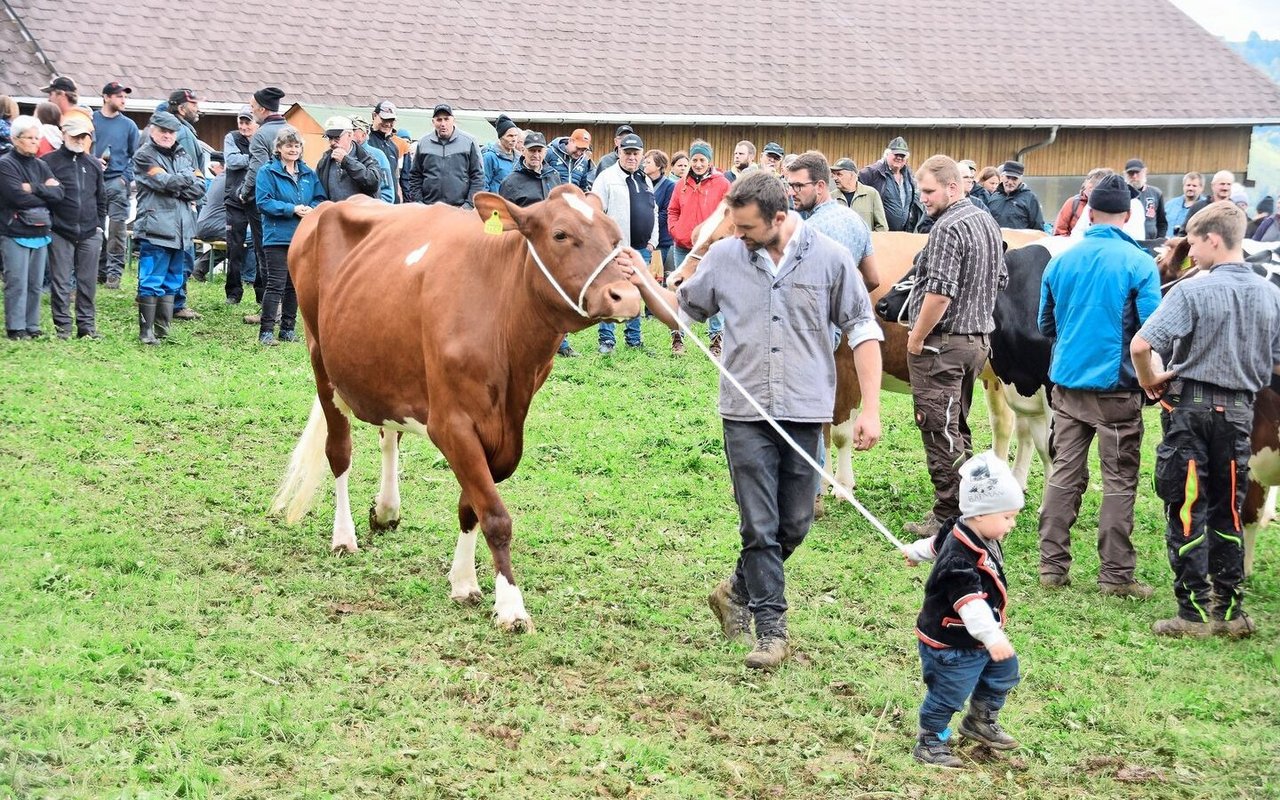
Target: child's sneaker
point(932, 749)
point(980, 725)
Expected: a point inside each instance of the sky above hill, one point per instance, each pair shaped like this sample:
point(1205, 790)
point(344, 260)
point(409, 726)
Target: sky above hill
point(1234, 19)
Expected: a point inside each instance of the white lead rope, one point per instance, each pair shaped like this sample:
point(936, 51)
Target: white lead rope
point(839, 490)
point(590, 279)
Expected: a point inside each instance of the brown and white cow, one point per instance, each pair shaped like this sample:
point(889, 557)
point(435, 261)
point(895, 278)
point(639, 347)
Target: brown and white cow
point(444, 323)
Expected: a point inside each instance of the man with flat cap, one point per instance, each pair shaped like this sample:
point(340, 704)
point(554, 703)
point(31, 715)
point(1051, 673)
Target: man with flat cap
point(892, 179)
point(1093, 299)
point(447, 167)
point(116, 138)
point(1013, 204)
point(383, 137)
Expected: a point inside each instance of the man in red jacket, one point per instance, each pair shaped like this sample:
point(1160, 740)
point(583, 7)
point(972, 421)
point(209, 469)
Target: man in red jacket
point(695, 197)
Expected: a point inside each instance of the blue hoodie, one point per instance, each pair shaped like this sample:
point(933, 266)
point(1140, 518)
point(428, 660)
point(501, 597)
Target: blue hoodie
point(1093, 299)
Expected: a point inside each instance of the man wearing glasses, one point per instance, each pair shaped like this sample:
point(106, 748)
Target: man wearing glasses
point(346, 168)
point(808, 184)
point(897, 187)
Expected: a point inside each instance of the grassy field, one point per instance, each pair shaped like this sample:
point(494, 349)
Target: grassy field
point(160, 636)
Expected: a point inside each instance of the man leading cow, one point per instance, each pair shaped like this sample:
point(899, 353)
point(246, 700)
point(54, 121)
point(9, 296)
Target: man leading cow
point(808, 283)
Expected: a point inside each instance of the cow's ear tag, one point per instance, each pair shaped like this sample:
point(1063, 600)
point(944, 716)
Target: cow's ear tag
point(493, 225)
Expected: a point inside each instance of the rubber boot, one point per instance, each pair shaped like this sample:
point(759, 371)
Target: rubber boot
point(980, 725)
point(147, 320)
point(164, 315)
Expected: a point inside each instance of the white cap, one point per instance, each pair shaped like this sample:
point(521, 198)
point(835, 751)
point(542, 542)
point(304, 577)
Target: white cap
point(987, 486)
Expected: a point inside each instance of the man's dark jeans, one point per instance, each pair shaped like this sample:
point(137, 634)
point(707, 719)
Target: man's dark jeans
point(774, 488)
point(955, 674)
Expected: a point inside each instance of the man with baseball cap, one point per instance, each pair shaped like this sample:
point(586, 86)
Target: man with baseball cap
point(184, 105)
point(265, 107)
point(571, 157)
point(627, 196)
point(360, 138)
point(116, 139)
point(1013, 204)
point(531, 181)
point(771, 158)
point(863, 200)
point(447, 167)
point(235, 157)
point(77, 229)
point(610, 159)
point(383, 138)
point(63, 93)
point(1155, 221)
point(346, 168)
point(896, 185)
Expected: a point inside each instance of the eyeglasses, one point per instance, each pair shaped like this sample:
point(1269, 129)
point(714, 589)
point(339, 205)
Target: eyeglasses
point(797, 185)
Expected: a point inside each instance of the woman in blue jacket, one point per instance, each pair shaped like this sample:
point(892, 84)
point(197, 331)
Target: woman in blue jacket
point(286, 190)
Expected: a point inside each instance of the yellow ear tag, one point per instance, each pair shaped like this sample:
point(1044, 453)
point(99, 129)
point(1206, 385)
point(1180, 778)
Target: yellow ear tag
point(493, 225)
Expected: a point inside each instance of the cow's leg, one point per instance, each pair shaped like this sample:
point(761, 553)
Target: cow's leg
point(1259, 506)
point(463, 586)
point(842, 440)
point(455, 436)
point(1000, 414)
point(1038, 427)
point(385, 513)
point(1032, 424)
point(337, 449)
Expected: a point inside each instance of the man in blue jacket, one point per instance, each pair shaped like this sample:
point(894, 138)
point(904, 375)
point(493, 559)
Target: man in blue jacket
point(1093, 299)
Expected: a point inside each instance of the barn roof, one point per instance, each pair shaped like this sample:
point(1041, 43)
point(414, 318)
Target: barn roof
point(987, 62)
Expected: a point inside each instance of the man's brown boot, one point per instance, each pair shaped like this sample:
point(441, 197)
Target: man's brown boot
point(677, 343)
point(735, 619)
point(769, 653)
point(1178, 626)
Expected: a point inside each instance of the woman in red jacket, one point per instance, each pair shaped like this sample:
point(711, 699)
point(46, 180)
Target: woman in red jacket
point(695, 197)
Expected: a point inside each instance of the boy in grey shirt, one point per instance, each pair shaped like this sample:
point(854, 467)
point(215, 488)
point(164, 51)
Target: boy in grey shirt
point(1220, 336)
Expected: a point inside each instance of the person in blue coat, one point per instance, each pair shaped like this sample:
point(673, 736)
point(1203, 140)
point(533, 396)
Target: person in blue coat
point(286, 190)
point(1093, 299)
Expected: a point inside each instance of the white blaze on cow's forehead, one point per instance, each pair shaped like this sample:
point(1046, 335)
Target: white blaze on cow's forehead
point(408, 426)
point(581, 206)
point(416, 255)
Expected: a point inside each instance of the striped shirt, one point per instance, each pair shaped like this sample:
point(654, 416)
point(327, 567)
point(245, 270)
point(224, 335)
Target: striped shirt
point(963, 260)
point(1222, 329)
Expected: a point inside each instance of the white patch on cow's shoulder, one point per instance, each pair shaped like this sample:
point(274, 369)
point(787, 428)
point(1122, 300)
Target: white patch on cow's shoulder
point(1056, 245)
point(508, 607)
point(408, 426)
point(1264, 466)
point(341, 404)
point(581, 206)
point(416, 255)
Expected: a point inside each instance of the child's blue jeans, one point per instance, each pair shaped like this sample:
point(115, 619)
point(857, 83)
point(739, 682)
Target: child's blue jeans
point(954, 674)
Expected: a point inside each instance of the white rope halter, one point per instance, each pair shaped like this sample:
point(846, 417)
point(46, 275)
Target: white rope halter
point(556, 284)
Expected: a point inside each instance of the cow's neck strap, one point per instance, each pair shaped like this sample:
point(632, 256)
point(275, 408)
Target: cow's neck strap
point(590, 279)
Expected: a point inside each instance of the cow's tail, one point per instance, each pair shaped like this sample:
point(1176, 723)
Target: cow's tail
point(307, 468)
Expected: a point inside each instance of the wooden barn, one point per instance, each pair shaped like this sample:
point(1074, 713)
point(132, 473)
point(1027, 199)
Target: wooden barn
point(1063, 84)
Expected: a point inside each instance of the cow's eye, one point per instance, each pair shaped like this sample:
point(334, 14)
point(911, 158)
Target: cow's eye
point(560, 236)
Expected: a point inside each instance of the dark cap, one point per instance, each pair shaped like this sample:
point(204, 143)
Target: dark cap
point(442, 109)
point(631, 142)
point(269, 97)
point(179, 96)
point(899, 145)
point(61, 84)
point(245, 113)
point(1266, 205)
point(165, 121)
point(115, 88)
point(385, 109)
point(534, 139)
point(217, 157)
point(1012, 168)
point(844, 165)
point(774, 149)
point(1111, 195)
point(1134, 165)
point(623, 130)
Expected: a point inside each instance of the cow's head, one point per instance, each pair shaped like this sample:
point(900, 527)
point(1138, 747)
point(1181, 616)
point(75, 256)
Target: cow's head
point(1173, 260)
point(719, 225)
point(575, 245)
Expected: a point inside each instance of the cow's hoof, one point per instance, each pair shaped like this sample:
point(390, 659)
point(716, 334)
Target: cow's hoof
point(521, 624)
point(471, 598)
point(377, 526)
point(343, 548)
point(819, 508)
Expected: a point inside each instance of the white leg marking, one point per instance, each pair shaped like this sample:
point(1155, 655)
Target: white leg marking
point(1250, 540)
point(386, 508)
point(344, 527)
point(463, 587)
point(1002, 418)
point(508, 607)
point(842, 440)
